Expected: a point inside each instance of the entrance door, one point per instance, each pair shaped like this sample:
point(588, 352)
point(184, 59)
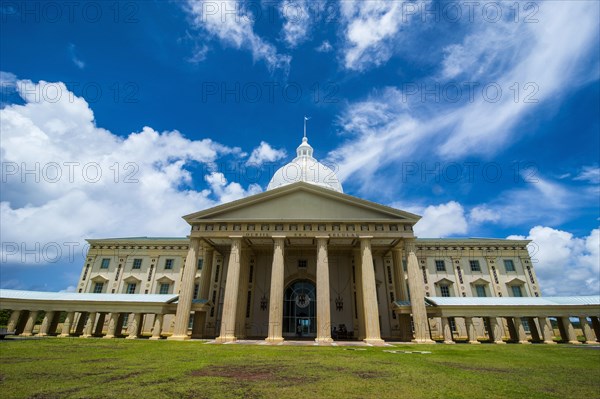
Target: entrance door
point(299, 310)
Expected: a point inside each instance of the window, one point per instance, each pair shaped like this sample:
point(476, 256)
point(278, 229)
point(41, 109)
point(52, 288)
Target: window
point(516, 291)
point(200, 264)
point(130, 288)
point(164, 288)
point(445, 290)
point(196, 290)
point(137, 264)
point(509, 265)
point(168, 264)
point(525, 324)
point(480, 290)
point(105, 263)
point(475, 267)
point(440, 266)
point(98, 288)
point(452, 322)
point(302, 263)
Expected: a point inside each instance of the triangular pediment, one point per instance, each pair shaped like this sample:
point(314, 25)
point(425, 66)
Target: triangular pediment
point(302, 201)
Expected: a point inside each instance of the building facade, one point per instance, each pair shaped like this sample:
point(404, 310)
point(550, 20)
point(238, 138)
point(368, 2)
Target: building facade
point(303, 260)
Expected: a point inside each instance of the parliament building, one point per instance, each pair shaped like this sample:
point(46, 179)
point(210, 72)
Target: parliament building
point(304, 261)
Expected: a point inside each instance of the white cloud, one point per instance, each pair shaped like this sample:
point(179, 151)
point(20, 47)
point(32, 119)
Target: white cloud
point(590, 174)
point(7, 79)
point(371, 30)
point(144, 187)
point(70, 288)
point(265, 153)
point(227, 192)
point(76, 60)
point(565, 265)
point(324, 47)
point(441, 220)
point(481, 214)
point(232, 23)
point(392, 125)
point(298, 21)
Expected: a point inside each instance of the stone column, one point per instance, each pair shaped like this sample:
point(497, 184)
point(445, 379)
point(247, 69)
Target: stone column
point(447, 331)
point(371, 309)
point(99, 324)
point(66, 327)
point(157, 329)
point(535, 333)
point(547, 335)
point(231, 292)
point(520, 329)
point(28, 330)
point(45, 327)
point(323, 301)
point(567, 331)
point(417, 299)
point(112, 325)
point(401, 294)
point(496, 331)
point(135, 320)
point(588, 333)
point(471, 334)
point(88, 330)
point(186, 292)
point(596, 327)
point(203, 291)
point(276, 294)
point(359, 295)
point(13, 320)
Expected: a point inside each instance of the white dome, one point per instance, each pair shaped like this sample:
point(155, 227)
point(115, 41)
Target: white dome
point(307, 169)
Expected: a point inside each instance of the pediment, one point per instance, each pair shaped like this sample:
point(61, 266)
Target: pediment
point(302, 201)
point(480, 281)
point(444, 281)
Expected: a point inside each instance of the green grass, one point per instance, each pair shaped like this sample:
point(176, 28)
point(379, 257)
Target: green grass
point(96, 368)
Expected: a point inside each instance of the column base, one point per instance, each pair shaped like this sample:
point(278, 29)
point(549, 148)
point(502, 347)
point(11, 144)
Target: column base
point(375, 341)
point(474, 342)
point(85, 336)
point(153, 338)
point(178, 338)
point(550, 342)
point(524, 342)
point(225, 339)
point(105, 337)
point(324, 340)
point(274, 341)
point(131, 337)
point(499, 342)
point(25, 334)
point(575, 342)
point(449, 342)
point(42, 335)
point(64, 335)
point(422, 341)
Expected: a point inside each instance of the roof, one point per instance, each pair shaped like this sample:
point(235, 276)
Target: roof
point(87, 297)
point(593, 300)
point(144, 238)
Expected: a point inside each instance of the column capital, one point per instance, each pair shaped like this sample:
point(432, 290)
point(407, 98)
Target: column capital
point(365, 237)
point(279, 236)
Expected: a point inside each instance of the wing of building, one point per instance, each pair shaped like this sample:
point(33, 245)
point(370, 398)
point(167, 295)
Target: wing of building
point(303, 260)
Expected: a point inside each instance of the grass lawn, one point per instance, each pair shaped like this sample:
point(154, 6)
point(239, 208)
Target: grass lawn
point(96, 368)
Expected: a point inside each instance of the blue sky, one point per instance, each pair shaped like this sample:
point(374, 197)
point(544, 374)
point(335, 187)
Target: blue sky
point(484, 119)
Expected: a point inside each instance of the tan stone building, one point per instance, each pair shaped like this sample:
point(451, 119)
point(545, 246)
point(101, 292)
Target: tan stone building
point(303, 260)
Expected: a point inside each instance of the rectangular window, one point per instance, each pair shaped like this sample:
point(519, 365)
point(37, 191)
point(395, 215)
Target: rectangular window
point(509, 265)
point(440, 266)
point(200, 264)
point(137, 264)
point(105, 263)
point(168, 264)
point(475, 267)
point(525, 323)
point(445, 290)
point(302, 263)
point(196, 290)
point(452, 322)
point(164, 288)
point(130, 288)
point(98, 288)
point(516, 291)
point(480, 289)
